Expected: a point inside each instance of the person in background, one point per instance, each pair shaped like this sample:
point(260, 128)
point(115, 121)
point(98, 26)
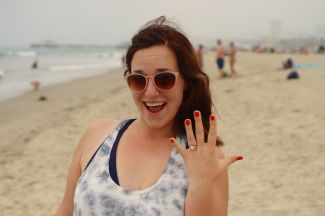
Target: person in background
point(199, 56)
point(2, 73)
point(287, 63)
point(232, 59)
point(167, 161)
point(220, 54)
point(321, 48)
point(34, 64)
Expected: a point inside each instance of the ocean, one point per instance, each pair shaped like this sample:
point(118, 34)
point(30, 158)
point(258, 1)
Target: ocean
point(52, 65)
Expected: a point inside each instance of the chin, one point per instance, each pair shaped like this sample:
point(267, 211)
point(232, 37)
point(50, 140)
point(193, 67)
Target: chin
point(155, 123)
point(157, 118)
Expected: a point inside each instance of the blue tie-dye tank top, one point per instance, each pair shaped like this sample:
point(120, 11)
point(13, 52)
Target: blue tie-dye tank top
point(97, 194)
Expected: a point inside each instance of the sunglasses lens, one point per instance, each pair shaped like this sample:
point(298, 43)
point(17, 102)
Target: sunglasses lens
point(165, 81)
point(136, 82)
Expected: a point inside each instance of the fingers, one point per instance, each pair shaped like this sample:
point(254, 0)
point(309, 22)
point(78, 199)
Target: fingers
point(199, 131)
point(189, 132)
point(212, 137)
point(180, 149)
point(231, 159)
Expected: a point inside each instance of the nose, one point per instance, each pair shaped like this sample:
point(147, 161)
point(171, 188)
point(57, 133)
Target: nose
point(151, 89)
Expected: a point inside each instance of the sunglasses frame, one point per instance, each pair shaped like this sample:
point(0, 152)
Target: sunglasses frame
point(147, 77)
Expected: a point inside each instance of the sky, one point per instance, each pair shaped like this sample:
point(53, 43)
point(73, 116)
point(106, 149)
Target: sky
point(113, 22)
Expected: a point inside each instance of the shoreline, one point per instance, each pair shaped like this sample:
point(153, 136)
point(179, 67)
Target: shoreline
point(28, 98)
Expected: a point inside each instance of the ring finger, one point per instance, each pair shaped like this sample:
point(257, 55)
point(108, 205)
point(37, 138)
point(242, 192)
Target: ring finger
point(190, 135)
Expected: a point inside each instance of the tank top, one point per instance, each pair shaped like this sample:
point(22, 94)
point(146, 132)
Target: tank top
point(97, 194)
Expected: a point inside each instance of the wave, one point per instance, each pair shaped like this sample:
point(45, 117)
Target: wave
point(84, 66)
point(20, 53)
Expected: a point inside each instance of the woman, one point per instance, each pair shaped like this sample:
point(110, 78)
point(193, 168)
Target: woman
point(136, 170)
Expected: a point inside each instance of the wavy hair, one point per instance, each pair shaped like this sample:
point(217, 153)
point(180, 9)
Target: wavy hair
point(197, 95)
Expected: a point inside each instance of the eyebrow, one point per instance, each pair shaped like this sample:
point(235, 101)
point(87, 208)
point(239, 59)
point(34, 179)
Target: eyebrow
point(158, 70)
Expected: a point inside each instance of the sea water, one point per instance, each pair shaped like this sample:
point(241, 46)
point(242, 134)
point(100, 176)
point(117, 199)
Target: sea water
point(54, 65)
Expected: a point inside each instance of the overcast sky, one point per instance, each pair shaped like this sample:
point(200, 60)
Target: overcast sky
point(111, 22)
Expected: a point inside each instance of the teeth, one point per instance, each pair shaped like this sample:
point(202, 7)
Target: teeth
point(154, 103)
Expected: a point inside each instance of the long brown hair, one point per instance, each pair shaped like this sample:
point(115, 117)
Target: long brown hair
point(197, 95)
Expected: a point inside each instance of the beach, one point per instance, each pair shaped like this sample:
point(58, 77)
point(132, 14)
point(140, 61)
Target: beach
point(275, 123)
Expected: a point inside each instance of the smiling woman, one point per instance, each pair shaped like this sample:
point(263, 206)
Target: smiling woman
point(156, 61)
point(131, 167)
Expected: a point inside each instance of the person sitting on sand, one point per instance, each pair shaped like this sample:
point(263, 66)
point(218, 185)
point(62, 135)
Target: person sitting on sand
point(287, 63)
point(130, 167)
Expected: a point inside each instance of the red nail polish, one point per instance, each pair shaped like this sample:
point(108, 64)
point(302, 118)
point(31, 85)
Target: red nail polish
point(171, 140)
point(240, 158)
point(187, 122)
point(196, 113)
point(212, 117)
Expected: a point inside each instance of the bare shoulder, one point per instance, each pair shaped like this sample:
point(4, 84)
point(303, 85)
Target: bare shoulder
point(103, 124)
point(94, 135)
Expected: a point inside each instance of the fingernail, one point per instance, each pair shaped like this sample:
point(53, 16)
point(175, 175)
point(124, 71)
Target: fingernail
point(196, 114)
point(171, 140)
point(212, 117)
point(187, 122)
point(240, 158)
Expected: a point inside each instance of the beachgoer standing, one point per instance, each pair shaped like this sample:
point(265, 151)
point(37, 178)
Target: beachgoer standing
point(220, 58)
point(1, 74)
point(199, 56)
point(232, 59)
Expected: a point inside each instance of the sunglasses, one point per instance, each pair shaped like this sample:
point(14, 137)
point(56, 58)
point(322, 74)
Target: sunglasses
point(163, 81)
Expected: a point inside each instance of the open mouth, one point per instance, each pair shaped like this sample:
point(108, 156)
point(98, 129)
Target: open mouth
point(154, 107)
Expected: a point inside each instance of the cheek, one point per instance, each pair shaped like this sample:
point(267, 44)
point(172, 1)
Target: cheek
point(136, 98)
point(180, 91)
point(178, 97)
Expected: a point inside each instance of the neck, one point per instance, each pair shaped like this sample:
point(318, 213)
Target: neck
point(165, 132)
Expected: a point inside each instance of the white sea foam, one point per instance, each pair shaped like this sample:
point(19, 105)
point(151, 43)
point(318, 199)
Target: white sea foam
point(78, 67)
point(54, 66)
point(25, 53)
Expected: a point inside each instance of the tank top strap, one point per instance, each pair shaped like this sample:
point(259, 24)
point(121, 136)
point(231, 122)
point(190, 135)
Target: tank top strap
point(112, 158)
point(107, 144)
point(122, 125)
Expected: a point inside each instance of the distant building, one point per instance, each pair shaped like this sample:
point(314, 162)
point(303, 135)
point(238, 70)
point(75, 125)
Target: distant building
point(45, 43)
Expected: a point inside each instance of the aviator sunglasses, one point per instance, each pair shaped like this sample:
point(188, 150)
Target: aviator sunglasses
point(163, 81)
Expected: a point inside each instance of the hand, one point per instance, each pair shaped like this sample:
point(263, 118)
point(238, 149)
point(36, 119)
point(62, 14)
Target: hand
point(201, 161)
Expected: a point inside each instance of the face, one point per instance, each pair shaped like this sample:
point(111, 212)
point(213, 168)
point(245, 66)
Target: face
point(157, 108)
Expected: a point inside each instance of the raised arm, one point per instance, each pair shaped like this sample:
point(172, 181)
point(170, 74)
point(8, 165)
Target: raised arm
point(206, 168)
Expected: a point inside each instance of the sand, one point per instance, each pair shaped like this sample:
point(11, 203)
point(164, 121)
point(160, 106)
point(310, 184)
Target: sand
point(278, 125)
